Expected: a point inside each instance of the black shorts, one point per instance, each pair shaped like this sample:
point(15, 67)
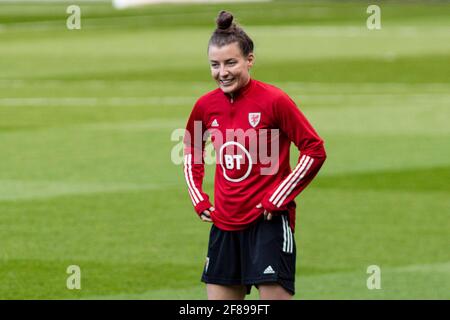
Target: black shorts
point(265, 252)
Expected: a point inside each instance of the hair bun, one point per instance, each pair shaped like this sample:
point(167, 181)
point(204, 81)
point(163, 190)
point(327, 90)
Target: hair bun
point(224, 20)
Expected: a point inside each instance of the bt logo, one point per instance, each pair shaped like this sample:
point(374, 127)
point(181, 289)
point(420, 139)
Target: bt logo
point(238, 165)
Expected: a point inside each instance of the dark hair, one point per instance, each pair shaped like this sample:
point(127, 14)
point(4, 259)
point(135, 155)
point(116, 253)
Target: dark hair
point(228, 32)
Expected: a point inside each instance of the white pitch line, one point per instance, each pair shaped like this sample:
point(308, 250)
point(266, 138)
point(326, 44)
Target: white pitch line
point(89, 101)
point(53, 1)
point(154, 124)
point(150, 86)
point(122, 4)
point(375, 96)
point(184, 293)
point(291, 85)
point(25, 190)
point(443, 267)
point(171, 100)
point(369, 86)
point(352, 31)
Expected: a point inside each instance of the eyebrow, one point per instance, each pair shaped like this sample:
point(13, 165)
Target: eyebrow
point(228, 60)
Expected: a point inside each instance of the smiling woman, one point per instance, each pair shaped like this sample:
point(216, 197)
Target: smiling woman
point(251, 240)
point(230, 52)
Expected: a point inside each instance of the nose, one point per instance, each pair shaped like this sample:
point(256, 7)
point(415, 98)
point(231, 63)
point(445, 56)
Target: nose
point(223, 71)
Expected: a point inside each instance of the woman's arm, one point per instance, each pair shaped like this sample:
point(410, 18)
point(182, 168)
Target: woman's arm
point(312, 154)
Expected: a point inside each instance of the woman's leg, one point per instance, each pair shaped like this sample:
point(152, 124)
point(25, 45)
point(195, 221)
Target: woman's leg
point(273, 291)
point(220, 292)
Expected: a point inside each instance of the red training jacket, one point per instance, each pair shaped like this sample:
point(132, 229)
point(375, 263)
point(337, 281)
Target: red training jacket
point(251, 133)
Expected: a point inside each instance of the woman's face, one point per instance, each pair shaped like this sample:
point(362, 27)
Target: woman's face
point(229, 67)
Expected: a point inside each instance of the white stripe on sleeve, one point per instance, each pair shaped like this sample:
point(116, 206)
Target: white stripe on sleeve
point(186, 176)
point(295, 183)
point(292, 180)
point(289, 177)
point(192, 198)
point(191, 179)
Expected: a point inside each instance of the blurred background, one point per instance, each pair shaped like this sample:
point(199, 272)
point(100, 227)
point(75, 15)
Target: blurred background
point(86, 117)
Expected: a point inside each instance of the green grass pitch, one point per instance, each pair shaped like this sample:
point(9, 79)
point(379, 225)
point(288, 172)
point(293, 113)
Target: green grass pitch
point(86, 118)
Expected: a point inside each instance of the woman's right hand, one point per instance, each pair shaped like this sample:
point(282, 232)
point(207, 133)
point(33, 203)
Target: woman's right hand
point(206, 215)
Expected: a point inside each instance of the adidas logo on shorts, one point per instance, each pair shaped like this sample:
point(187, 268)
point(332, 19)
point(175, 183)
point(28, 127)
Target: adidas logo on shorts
point(269, 270)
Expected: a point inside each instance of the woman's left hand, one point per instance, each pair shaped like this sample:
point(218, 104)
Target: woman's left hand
point(267, 214)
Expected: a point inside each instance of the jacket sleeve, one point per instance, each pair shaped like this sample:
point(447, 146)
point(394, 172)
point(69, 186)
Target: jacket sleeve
point(294, 124)
point(194, 160)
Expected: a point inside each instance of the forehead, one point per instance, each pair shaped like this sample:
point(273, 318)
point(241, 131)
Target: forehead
point(223, 53)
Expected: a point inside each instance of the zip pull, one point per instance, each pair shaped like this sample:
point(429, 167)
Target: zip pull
point(231, 97)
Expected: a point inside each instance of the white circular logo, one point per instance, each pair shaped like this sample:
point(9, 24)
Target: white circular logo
point(235, 162)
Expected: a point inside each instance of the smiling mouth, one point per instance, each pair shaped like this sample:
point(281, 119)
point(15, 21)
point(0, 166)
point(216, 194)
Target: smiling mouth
point(226, 82)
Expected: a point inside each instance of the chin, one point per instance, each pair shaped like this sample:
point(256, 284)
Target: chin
point(228, 89)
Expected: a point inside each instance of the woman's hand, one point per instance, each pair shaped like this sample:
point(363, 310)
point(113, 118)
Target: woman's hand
point(206, 215)
point(267, 214)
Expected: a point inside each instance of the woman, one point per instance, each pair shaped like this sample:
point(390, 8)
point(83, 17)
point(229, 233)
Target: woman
point(251, 239)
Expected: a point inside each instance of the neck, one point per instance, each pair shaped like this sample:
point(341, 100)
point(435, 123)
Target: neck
point(233, 94)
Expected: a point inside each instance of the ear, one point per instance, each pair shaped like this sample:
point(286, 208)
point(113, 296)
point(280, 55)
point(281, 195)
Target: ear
point(250, 60)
